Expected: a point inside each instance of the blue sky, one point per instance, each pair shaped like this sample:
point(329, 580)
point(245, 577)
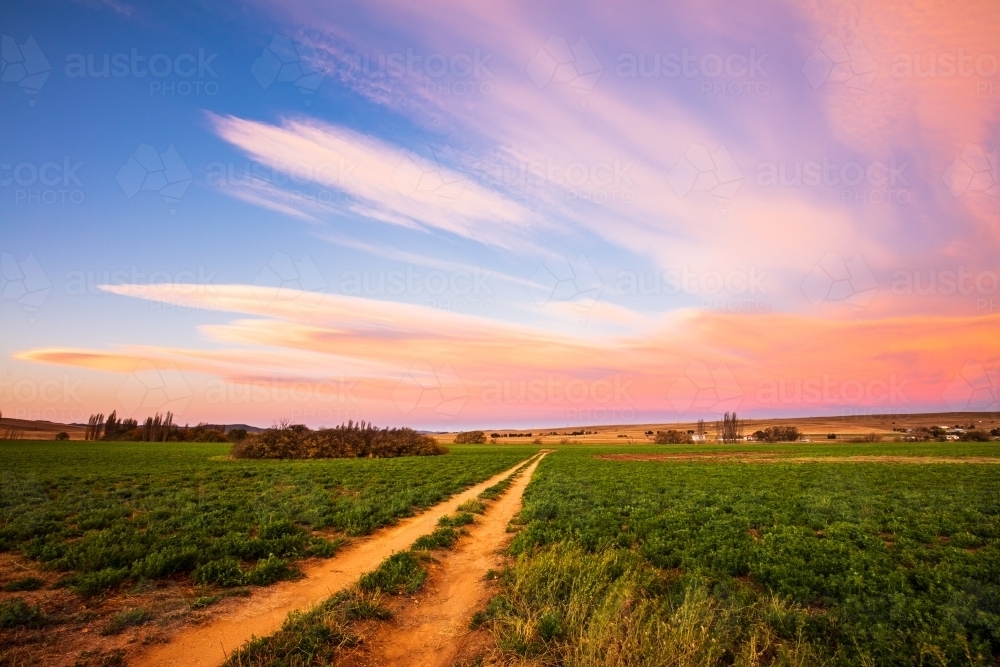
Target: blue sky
point(547, 194)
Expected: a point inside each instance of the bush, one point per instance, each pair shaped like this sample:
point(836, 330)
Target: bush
point(473, 506)
point(441, 538)
point(18, 613)
point(62, 435)
point(361, 440)
point(470, 438)
point(269, 570)
point(399, 573)
point(92, 583)
point(975, 436)
point(237, 435)
point(778, 434)
point(225, 572)
point(25, 584)
point(672, 437)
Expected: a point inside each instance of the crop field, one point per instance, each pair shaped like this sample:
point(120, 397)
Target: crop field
point(109, 513)
point(806, 557)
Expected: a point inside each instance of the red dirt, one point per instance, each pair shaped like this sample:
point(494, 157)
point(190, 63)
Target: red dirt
point(431, 629)
point(263, 614)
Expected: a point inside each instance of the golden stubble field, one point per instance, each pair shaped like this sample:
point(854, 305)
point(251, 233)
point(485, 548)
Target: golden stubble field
point(813, 428)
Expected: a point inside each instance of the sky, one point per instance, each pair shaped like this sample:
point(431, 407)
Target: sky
point(458, 214)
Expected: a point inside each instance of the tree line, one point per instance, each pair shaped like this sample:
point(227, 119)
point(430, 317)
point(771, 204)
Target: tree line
point(158, 428)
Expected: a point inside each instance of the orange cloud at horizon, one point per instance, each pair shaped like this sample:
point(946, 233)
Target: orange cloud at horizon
point(410, 363)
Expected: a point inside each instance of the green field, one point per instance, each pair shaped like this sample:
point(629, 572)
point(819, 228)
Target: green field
point(111, 513)
point(716, 563)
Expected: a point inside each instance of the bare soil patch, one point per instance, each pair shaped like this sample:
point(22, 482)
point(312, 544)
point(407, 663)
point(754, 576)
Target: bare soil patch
point(210, 642)
point(431, 628)
point(74, 631)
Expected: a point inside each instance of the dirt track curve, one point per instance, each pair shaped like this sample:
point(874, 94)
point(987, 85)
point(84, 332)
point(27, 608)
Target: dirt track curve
point(210, 644)
point(431, 630)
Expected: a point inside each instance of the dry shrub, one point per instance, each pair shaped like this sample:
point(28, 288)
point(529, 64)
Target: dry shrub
point(361, 440)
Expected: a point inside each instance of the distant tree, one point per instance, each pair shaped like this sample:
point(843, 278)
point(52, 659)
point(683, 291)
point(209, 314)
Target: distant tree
point(730, 429)
point(62, 435)
point(237, 435)
point(672, 437)
point(975, 435)
point(470, 438)
point(780, 434)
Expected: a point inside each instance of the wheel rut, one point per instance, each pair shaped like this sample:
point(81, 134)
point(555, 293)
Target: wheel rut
point(431, 629)
point(208, 645)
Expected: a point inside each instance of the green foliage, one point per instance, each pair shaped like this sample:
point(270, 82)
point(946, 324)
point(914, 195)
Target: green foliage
point(577, 608)
point(224, 572)
point(779, 434)
point(237, 435)
point(92, 583)
point(16, 613)
point(123, 620)
point(457, 520)
point(470, 438)
point(24, 584)
point(401, 572)
point(859, 563)
point(349, 440)
point(473, 506)
point(105, 513)
point(313, 637)
point(441, 538)
point(495, 491)
point(269, 570)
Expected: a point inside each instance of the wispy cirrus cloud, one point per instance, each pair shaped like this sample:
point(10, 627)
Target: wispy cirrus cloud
point(383, 182)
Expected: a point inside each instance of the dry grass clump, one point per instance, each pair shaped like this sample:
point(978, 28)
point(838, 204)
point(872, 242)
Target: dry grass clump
point(563, 606)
